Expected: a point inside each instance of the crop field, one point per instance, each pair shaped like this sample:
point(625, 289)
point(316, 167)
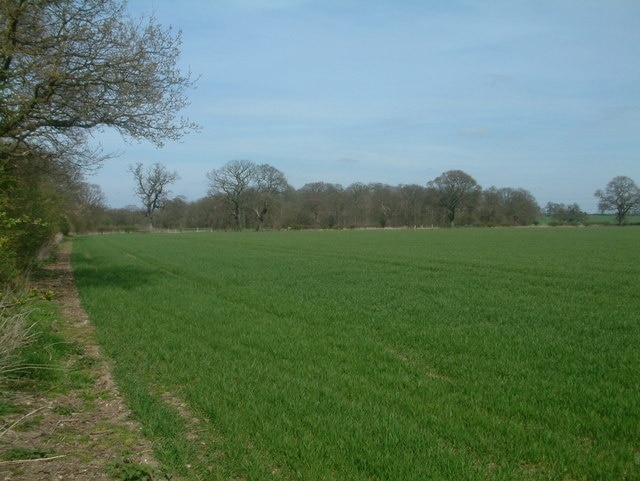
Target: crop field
point(453, 354)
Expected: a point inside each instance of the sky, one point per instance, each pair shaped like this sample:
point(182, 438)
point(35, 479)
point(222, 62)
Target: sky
point(542, 95)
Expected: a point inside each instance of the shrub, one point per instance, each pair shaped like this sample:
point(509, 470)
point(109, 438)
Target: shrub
point(20, 240)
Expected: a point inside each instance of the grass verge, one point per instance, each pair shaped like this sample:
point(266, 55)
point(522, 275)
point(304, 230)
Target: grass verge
point(60, 414)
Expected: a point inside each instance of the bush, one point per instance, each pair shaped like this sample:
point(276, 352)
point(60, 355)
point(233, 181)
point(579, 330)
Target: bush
point(8, 264)
point(20, 240)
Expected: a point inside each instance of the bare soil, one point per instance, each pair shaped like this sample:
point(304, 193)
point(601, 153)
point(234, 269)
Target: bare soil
point(76, 433)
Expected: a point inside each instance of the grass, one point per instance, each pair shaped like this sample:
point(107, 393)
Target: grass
point(20, 453)
point(611, 219)
point(35, 364)
point(464, 354)
point(57, 405)
point(596, 219)
point(34, 349)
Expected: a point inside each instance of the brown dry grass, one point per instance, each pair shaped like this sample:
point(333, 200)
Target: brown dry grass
point(79, 431)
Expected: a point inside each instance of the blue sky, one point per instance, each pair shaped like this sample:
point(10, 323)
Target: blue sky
point(541, 95)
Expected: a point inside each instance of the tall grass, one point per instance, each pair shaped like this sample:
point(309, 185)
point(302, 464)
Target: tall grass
point(16, 332)
point(390, 355)
point(33, 354)
point(14, 335)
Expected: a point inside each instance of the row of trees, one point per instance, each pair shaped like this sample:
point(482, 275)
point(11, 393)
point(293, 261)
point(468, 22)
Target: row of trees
point(243, 194)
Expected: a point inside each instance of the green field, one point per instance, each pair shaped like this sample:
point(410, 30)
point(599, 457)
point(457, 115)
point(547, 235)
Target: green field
point(454, 354)
point(593, 219)
point(611, 219)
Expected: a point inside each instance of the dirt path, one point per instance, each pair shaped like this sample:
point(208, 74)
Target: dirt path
point(81, 433)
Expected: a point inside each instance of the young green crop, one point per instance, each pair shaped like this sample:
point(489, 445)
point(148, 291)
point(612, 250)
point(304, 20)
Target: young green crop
point(464, 354)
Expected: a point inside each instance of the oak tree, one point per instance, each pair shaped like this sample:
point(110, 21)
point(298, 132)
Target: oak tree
point(232, 181)
point(269, 184)
point(152, 187)
point(247, 186)
point(455, 191)
point(68, 67)
point(621, 196)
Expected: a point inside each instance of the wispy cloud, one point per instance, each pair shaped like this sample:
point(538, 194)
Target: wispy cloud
point(473, 132)
point(540, 95)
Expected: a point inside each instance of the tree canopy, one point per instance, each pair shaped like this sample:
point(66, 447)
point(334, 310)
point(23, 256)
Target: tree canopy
point(243, 194)
point(456, 191)
point(246, 185)
point(621, 196)
point(69, 68)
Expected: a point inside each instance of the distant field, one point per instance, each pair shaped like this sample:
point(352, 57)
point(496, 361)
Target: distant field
point(611, 219)
point(453, 354)
point(599, 219)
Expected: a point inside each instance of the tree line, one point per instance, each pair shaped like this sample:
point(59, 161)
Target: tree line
point(71, 68)
point(245, 195)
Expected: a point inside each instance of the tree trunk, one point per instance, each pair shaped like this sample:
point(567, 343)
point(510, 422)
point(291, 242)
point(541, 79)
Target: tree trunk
point(260, 215)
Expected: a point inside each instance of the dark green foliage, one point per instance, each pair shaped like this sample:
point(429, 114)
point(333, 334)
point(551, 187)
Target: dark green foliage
point(25, 221)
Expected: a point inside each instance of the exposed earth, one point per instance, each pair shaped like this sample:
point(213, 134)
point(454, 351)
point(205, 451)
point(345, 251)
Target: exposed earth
point(81, 432)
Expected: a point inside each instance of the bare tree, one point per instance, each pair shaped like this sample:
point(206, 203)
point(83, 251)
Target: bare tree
point(269, 185)
point(358, 204)
point(621, 196)
point(320, 204)
point(151, 187)
point(91, 196)
point(507, 206)
point(232, 181)
point(385, 203)
point(247, 186)
point(412, 204)
point(571, 213)
point(85, 207)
